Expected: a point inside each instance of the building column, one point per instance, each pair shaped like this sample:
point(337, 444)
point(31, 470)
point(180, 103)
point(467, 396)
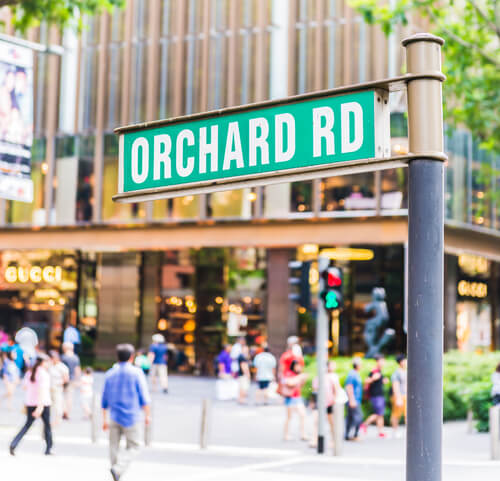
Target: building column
point(450, 302)
point(150, 291)
point(280, 321)
point(118, 277)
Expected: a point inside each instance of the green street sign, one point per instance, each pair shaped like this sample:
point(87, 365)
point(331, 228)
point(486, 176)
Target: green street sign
point(298, 138)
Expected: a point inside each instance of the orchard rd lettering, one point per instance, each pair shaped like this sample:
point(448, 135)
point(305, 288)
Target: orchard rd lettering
point(266, 140)
point(193, 148)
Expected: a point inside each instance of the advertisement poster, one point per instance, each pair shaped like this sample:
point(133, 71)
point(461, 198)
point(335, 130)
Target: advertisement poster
point(16, 122)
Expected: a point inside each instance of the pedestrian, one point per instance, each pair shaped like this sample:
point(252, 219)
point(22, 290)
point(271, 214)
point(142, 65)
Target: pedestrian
point(265, 365)
point(72, 334)
point(235, 354)
point(354, 388)
point(223, 362)
point(143, 361)
point(37, 401)
point(243, 375)
point(124, 395)
point(333, 390)
point(87, 391)
point(495, 390)
point(158, 354)
point(293, 352)
point(398, 394)
point(59, 378)
point(374, 385)
point(72, 361)
point(291, 386)
point(10, 376)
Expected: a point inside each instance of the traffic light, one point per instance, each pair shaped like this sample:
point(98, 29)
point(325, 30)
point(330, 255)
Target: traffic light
point(331, 288)
point(299, 277)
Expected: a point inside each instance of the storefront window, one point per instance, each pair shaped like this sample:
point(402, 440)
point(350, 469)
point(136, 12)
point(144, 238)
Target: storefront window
point(354, 193)
point(473, 303)
point(38, 290)
point(394, 190)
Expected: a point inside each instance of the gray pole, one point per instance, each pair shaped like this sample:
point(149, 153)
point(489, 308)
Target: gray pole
point(425, 259)
point(321, 357)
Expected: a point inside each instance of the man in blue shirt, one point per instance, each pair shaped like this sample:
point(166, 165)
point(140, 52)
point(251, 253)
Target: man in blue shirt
point(354, 388)
point(125, 394)
point(158, 353)
point(72, 334)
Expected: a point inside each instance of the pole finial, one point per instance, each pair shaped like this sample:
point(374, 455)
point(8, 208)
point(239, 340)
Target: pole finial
point(422, 37)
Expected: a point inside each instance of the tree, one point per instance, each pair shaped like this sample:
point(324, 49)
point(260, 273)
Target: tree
point(471, 30)
point(29, 13)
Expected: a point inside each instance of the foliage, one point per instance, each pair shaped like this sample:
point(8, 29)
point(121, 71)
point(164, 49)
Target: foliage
point(30, 13)
point(471, 30)
point(466, 385)
point(480, 404)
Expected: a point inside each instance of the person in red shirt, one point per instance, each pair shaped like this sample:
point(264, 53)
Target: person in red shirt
point(293, 380)
point(293, 352)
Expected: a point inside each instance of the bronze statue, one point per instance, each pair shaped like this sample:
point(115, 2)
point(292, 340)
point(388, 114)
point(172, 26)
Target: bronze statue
point(377, 335)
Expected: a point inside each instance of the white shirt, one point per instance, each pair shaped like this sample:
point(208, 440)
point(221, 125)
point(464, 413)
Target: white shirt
point(59, 373)
point(265, 362)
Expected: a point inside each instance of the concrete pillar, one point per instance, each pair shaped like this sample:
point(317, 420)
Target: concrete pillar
point(450, 302)
point(281, 321)
point(118, 275)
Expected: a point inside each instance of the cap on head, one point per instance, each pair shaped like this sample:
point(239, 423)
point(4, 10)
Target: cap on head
point(292, 340)
point(158, 338)
point(356, 362)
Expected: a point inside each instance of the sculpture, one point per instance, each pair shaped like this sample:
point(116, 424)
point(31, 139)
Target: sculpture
point(377, 336)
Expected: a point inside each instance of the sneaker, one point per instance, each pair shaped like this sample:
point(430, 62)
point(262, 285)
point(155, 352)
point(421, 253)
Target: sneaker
point(12, 451)
point(382, 435)
point(116, 476)
point(363, 428)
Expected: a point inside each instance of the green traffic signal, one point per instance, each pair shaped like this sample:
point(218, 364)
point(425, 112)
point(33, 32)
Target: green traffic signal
point(331, 301)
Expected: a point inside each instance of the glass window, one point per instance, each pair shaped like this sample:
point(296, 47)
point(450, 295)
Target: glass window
point(348, 193)
point(114, 211)
point(23, 213)
point(456, 146)
point(86, 180)
point(481, 186)
point(394, 189)
point(333, 44)
point(65, 181)
point(218, 64)
point(301, 197)
point(187, 207)
point(231, 203)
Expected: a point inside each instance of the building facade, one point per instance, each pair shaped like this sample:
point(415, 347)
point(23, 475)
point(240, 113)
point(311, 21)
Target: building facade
point(202, 268)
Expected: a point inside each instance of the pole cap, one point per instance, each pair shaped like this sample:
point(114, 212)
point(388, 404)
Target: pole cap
point(422, 37)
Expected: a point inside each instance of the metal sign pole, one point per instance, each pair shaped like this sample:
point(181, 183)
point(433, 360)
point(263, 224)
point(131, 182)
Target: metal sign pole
point(321, 358)
point(426, 258)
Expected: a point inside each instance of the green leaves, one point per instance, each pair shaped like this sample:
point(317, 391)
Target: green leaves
point(471, 57)
point(63, 13)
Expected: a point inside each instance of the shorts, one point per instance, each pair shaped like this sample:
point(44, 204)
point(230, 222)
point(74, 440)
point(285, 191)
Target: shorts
point(263, 384)
point(398, 411)
point(243, 383)
point(378, 405)
point(293, 401)
point(314, 399)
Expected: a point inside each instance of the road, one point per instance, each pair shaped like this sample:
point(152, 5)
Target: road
point(244, 442)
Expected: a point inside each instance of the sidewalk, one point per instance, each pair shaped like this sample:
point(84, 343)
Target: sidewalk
point(245, 442)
